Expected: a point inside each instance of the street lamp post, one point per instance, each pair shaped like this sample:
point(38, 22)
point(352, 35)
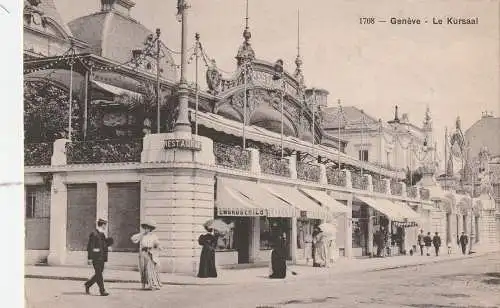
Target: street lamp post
point(182, 123)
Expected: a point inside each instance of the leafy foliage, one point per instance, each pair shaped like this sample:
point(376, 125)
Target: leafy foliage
point(46, 110)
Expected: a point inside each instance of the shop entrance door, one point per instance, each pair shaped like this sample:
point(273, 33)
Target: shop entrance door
point(242, 232)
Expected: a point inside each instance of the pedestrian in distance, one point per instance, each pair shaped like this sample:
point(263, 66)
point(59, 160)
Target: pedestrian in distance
point(428, 243)
point(315, 233)
point(464, 240)
point(97, 255)
point(420, 241)
point(208, 241)
point(149, 256)
point(308, 251)
point(436, 241)
point(449, 248)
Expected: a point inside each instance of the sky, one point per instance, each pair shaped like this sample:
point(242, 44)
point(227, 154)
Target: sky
point(453, 69)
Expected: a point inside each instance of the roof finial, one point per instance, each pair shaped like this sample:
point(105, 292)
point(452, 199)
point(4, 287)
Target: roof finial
point(298, 60)
point(245, 52)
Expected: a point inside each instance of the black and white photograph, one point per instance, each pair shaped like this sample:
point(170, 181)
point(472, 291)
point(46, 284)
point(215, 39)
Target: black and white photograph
point(257, 153)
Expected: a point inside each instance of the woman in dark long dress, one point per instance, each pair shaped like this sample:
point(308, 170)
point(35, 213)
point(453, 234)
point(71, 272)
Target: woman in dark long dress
point(207, 258)
point(278, 260)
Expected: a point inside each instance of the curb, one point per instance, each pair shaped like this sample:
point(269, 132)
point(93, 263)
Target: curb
point(430, 262)
point(384, 268)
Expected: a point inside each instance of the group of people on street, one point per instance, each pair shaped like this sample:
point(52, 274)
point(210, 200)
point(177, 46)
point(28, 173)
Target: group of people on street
point(427, 241)
point(149, 255)
point(320, 248)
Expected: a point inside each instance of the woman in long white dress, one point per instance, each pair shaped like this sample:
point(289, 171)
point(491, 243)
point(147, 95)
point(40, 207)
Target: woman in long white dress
point(320, 250)
point(149, 253)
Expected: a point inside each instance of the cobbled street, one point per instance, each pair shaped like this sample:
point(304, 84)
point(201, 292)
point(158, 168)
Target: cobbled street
point(473, 283)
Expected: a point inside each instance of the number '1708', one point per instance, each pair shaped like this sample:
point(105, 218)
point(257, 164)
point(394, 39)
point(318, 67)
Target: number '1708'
point(367, 20)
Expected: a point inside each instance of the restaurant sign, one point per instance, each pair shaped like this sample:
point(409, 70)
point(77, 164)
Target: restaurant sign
point(185, 144)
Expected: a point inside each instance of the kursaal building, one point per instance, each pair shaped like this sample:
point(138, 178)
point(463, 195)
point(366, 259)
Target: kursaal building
point(110, 132)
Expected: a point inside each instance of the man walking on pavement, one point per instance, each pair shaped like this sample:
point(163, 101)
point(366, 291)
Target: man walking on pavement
point(436, 240)
point(97, 251)
point(420, 241)
point(428, 243)
point(464, 240)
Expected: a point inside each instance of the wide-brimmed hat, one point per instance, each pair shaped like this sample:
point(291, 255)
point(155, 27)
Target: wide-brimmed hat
point(102, 221)
point(149, 224)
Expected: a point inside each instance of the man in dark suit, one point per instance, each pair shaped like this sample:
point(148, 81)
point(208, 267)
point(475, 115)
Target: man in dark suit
point(97, 251)
point(464, 240)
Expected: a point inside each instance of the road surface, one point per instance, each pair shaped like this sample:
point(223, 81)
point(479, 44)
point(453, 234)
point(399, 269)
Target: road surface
point(472, 283)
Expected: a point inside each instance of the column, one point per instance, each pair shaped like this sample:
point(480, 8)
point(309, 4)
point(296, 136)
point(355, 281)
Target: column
point(293, 240)
point(179, 196)
point(255, 239)
point(254, 160)
point(58, 221)
point(370, 231)
point(348, 231)
point(292, 162)
point(102, 200)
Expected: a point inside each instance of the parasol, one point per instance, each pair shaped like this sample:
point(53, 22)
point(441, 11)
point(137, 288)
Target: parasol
point(218, 225)
point(328, 229)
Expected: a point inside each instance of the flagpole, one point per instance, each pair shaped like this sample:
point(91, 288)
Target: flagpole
point(244, 102)
point(70, 131)
point(282, 103)
point(196, 49)
point(340, 125)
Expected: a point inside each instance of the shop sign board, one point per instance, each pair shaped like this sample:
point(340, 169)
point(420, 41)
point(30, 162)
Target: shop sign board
point(185, 144)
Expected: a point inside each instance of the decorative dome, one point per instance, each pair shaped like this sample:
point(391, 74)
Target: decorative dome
point(101, 29)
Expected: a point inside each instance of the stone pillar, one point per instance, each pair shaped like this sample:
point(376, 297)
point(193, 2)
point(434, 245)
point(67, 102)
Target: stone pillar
point(370, 182)
point(102, 200)
point(59, 154)
point(254, 160)
point(58, 221)
point(370, 231)
point(348, 180)
point(179, 196)
point(404, 193)
point(293, 240)
point(292, 161)
point(254, 240)
point(322, 175)
point(388, 185)
point(348, 231)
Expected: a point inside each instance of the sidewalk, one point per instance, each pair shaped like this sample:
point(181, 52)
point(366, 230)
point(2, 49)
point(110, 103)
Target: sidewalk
point(247, 275)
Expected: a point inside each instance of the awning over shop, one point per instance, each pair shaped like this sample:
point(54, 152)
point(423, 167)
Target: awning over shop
point(115, 90)
point(326, 200)
point(383, 206)
point(406, 211)
point(246, 198)
point(307, 207)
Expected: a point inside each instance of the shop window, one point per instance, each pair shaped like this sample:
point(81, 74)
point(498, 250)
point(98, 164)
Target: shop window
point(270, 229)
point(226, 242)
point(363, 155)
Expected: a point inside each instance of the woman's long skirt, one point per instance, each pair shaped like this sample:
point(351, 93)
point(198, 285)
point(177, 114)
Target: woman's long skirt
point(278, 264)
point(150, 271)
point(320, 254)
point(207, 267)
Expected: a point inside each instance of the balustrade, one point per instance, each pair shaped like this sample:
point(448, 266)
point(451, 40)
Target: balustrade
point(308, 172)
point(396, 188)
point(336, 177)
point(359, 181)
point(231, 156)
point(38, 154)
point(275, 165)
point(379, 186)
point(411, 192)
point(104, 151)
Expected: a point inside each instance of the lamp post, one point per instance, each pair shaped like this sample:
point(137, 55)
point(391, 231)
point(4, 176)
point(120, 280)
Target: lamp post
point(182, 124)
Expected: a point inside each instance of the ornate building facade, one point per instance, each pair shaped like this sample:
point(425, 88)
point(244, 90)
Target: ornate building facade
point(100, 108)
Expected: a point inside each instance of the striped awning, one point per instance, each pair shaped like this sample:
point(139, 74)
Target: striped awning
point(307, 207)
point(327, 201)
point(246, 198)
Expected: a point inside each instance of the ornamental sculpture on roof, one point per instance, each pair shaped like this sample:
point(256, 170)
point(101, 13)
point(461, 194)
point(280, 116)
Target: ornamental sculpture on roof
point(213, 78)
point(245, 52)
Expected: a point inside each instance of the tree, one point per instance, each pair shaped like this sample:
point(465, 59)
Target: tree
point(46, 110)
